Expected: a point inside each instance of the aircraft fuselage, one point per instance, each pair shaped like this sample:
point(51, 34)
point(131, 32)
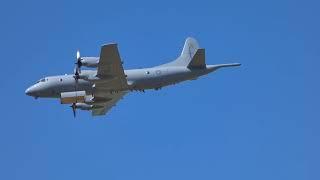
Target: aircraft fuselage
point(137, 79)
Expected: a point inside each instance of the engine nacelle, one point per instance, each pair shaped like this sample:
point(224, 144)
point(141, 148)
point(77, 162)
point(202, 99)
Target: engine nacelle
point(73, 97)
point(89, 99)
point(90, 61)
point(84, 106)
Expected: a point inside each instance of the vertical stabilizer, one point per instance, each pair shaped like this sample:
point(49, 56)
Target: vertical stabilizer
point(188, 52)
point(190, 48)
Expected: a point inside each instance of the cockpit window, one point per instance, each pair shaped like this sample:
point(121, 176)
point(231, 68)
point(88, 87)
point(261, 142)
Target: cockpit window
point(41, 80)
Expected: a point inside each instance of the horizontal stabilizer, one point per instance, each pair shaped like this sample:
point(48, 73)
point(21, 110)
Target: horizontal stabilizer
point(198, 60)
point(217, 66)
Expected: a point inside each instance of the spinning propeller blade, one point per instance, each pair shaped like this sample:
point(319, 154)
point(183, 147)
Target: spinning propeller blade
point(78, 54)
point(78, 62)
point(74, 108)
point(77, 67)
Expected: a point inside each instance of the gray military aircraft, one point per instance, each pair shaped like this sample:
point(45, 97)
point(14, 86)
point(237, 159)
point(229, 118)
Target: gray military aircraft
point(100, 89)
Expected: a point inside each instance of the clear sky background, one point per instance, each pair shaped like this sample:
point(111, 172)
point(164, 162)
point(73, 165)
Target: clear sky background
point(259, 121)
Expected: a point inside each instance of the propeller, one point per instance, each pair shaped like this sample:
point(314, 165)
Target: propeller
point(78, 61)
point(77, 67)
point(74, 108)
point(76, 76)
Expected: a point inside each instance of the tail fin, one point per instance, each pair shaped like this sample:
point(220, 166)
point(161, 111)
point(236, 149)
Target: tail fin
point(189, 52)
point(189, 49)
point(194, 57)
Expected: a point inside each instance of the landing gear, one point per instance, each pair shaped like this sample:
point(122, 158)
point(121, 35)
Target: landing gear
point(111, 92)
point(136, 89)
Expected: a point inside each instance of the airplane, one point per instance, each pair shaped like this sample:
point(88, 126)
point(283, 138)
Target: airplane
point(98, 90)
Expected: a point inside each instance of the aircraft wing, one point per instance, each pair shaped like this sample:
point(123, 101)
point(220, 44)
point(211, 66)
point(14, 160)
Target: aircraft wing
point(106, 106)
point(112, 79)
point(110, 67)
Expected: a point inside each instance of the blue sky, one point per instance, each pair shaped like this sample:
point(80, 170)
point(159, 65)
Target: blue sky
point(259, 121)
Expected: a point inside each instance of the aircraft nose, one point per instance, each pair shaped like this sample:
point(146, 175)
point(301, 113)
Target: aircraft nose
point(30, 91)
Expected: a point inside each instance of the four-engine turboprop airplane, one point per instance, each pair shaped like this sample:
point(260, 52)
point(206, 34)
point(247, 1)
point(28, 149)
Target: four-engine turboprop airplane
point(99, 90)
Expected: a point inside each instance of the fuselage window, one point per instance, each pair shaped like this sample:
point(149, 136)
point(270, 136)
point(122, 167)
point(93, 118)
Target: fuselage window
point(147, 72)
point(60, 79)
